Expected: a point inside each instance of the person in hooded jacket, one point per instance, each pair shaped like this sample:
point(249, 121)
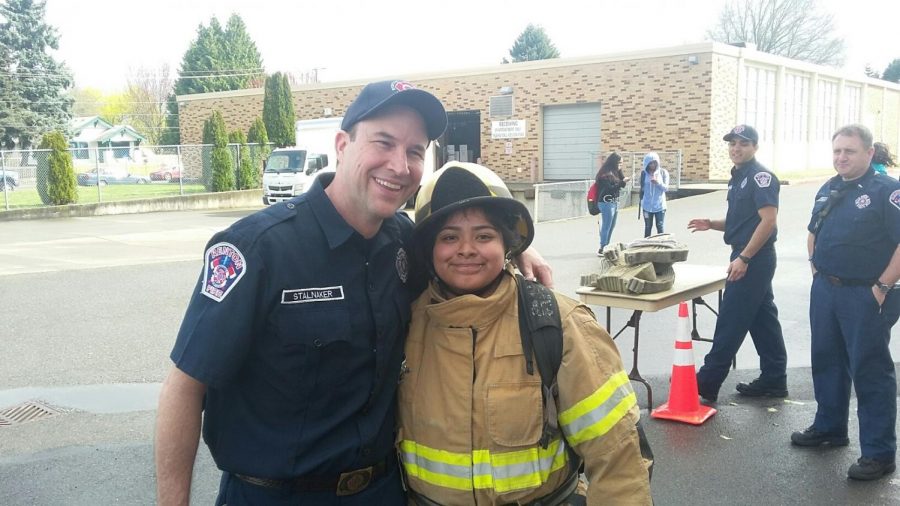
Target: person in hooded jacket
point(470, 415)
point(654, 184)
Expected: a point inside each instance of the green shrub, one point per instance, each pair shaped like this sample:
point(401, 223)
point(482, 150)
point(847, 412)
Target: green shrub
point(246, 173)
point(221, 164)
point(259, 137)
point(56, 175)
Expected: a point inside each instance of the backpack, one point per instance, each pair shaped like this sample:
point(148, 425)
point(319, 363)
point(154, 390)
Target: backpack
point(540, 328)
point(592, 206)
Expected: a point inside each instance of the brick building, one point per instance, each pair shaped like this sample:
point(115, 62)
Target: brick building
point(549, 120)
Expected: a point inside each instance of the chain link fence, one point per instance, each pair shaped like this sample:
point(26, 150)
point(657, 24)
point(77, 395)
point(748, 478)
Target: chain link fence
point(122, 173)
point(561, 201)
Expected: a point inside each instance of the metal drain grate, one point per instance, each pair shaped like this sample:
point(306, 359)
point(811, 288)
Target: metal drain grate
point(26, 412)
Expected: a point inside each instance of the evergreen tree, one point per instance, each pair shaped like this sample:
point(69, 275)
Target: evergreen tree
point(171, 135)
point(246, 175)
point(892, 71)
point(217, 60)
point(220, 60)
point(33, 98)
point(532, 44)
point(222, 162)
point(278, 111)
point(55, 173)
point(62, 184)
point(259, 141)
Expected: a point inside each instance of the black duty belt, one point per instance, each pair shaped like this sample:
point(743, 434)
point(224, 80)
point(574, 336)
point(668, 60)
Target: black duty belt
point(836, 281)
point(349, 483)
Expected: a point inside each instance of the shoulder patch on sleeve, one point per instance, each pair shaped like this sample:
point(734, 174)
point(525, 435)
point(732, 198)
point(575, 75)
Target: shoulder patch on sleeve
point(224, 268)
point(763, 179)
point(895, 198)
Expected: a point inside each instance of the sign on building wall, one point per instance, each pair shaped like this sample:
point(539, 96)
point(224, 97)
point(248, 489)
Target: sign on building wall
point(508, 129)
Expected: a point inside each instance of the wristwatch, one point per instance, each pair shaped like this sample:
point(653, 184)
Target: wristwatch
point(745, 259)
point(883, 288)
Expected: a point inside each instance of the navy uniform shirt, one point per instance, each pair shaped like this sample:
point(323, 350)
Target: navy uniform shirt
point(861, 231)
point(297, 327)
point(751, 188)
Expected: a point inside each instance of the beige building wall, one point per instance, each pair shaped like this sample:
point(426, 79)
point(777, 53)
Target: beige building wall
point(683, 98)
point(649, 101)
point(724, 106)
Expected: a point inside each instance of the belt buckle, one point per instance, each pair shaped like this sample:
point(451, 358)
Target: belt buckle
point(834, 280)
point(356, 481)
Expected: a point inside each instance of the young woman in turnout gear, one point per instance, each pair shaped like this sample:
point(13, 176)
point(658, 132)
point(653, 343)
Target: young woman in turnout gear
point(470, 414)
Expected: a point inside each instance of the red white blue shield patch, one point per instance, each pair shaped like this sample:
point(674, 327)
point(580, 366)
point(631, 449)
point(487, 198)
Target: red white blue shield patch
point(895, 199)
point(763, 179)
point(224, 268)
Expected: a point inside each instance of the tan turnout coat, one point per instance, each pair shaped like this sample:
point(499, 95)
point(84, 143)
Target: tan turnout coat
point(470, 415)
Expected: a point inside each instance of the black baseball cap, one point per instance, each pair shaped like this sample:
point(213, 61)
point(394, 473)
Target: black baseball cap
point(746, 132)
point(376, 96)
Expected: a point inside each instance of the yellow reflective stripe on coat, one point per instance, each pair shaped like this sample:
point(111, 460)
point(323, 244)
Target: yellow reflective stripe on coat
point(501, 471)
point(596, 414)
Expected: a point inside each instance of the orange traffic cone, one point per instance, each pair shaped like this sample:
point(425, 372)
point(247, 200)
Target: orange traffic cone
point(684, 404)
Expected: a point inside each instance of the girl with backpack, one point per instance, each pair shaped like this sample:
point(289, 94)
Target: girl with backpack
point(610, 181)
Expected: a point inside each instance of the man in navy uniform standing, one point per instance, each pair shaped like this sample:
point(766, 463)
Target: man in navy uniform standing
point(854, 254)
point(748, 303)
point(292, 343)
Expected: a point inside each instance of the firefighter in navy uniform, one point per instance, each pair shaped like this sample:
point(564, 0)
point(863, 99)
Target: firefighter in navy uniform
point(854, 250)
point(748, 303)
point(292, 343)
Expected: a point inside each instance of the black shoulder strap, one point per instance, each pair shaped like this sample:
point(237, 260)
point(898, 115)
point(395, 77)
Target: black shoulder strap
point(835, 196)
point(540, 328)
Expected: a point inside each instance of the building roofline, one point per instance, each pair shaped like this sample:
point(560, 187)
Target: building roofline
point(749, 54)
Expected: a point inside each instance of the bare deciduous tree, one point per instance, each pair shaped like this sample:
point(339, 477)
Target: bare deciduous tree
point(147, 90)
point(793, 28)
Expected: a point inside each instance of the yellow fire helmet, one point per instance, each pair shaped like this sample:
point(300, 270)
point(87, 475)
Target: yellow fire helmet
point(459, 185)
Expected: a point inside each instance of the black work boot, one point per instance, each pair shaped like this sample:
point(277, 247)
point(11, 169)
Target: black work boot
point(762, 388)
point(813, 437)
point(708, 394)
point(870, 469)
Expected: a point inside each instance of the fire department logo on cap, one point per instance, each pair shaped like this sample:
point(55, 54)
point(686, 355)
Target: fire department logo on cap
point(863, 202)
point(402, 264)
point(402, 86)
point(895, 199)
point(224, 268)
point(763, 179)
point(738, 129)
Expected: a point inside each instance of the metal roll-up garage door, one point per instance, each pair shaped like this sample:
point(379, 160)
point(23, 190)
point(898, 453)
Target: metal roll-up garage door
point(571, 141)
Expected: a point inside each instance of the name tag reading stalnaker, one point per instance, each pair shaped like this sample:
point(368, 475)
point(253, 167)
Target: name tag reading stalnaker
point(304, 295)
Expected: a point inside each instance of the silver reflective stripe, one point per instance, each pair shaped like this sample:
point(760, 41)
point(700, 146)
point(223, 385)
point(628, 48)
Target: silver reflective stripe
point(600, 412)
point(525, 468)
point(458, 471)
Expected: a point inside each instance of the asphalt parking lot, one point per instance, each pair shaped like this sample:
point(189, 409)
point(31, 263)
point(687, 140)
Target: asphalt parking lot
point(91, 306)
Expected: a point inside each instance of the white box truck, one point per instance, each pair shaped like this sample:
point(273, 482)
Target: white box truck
point(290, 171)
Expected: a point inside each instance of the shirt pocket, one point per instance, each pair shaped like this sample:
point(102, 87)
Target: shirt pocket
point(866, 225)
point(515, 413)
point(313, 328)
point(310, 343)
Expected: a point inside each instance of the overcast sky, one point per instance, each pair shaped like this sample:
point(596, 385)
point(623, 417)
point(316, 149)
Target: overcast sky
point(357, 39)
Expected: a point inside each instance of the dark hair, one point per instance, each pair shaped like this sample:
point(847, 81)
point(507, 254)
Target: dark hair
point(611, 163)
point(883, 155)
point(610, 169)
point(855, 130)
